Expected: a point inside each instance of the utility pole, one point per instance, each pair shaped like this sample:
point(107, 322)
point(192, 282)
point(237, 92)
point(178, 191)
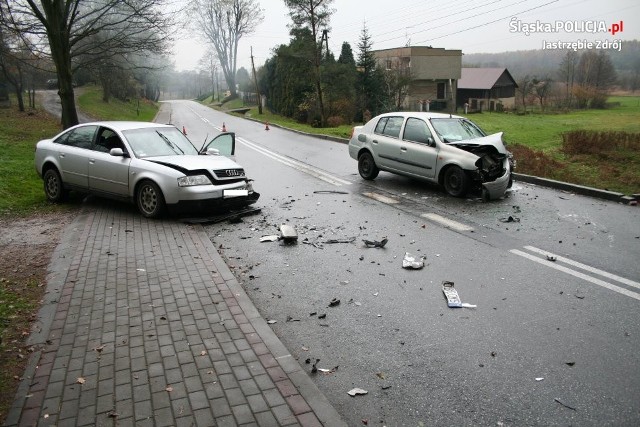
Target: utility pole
point(255, 79)
point(324, 40)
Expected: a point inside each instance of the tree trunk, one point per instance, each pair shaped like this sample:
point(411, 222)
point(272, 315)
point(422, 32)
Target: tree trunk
point(20, 97)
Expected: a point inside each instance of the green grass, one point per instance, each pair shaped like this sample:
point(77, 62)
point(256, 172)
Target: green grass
point(543, 131)
point(21, 190)
point(20, 187)
point(90, 101)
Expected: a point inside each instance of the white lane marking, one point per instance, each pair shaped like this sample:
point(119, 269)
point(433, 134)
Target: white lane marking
point(282, 159)
point(577, 274)
point(381, 198)
point(585, 267)
point(295, 164)
point(447, 222)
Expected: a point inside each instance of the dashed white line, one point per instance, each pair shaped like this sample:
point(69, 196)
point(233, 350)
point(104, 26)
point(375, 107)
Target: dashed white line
point(381, 198)
point(449, 223)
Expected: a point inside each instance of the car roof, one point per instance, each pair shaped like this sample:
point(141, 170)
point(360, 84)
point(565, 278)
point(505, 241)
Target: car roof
point(128, 125)
point(421, 114)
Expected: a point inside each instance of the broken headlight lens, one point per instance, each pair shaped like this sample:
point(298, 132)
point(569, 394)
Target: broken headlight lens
point(189, 181)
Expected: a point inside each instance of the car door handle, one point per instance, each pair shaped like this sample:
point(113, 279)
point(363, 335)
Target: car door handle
point(375, 141)
point(403, 149)
point(92, 161)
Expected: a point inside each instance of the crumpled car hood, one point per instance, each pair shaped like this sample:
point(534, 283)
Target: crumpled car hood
point(191, 163)
point(494, 140)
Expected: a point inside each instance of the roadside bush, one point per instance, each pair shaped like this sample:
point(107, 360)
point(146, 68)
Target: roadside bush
point(535, 162)
point(599, 143)
point(335, 121)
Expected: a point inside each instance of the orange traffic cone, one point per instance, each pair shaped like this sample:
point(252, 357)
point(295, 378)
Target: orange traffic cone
point(266, 125)
point(184, 131)
point(224, 128)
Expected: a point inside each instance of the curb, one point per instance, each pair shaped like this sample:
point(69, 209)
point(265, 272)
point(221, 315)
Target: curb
point(325, 412)
point(574, 188)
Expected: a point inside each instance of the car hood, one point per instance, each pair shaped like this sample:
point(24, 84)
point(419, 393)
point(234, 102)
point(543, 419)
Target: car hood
point(192, 162)
point(494, 140)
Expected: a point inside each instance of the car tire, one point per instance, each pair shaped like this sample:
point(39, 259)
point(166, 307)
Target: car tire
point(150, 200)
point(367, 166)
point(456, 181)
point(53, 186)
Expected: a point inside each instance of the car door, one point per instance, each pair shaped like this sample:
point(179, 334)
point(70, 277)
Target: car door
point(109, 173)
point(386, 143)
point(74, 149)
point(222, 145)
point(418, 150)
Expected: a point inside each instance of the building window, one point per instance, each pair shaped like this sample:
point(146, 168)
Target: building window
point(442, 91)
point(388, 64)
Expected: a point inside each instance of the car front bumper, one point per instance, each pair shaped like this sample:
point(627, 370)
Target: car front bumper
point(213, 205)
point(496, 189)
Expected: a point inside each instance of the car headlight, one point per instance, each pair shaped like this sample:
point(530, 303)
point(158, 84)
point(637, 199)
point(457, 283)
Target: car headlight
point(188, 181)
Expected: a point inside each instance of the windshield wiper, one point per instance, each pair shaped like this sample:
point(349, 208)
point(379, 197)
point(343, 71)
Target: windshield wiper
point(171, 145)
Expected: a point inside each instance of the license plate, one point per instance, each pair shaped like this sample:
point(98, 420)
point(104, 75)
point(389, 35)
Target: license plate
point(234, 193)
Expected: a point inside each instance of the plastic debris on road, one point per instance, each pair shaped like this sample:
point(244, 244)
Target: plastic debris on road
point(411, 262)
point(453, 300)
point(375, 243)
point(288, 233)
point(272, 238)
point(357, 391)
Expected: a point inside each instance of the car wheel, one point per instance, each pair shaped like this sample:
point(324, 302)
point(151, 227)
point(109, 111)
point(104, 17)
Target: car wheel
point(456, 181)
point(150, 200)
point(53, 186)
point(367, 166)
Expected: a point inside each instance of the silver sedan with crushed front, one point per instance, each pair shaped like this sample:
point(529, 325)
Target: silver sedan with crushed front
point(153, 165)
point(441, 148)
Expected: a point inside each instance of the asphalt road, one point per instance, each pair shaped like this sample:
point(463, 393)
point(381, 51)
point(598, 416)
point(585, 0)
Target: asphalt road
point(554, 339)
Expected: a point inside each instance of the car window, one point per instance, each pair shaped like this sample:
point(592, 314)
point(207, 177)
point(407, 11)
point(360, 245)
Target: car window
point(391, 126)
point(416, 130)
point(108, 139)
point(81, 137)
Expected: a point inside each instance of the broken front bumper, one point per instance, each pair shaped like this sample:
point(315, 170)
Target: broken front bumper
point(496, 189)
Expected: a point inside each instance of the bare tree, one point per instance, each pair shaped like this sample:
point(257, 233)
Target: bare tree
point(525, 87)
point(567, 73)
point(542, 89)
point(80, 33)
point(398, 79)
point(223, 23)
point(313, 15)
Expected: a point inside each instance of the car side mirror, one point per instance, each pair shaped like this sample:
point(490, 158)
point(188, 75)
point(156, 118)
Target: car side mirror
point(431, 142)
point(116, 152)
point(212, 152)
point(362, 137)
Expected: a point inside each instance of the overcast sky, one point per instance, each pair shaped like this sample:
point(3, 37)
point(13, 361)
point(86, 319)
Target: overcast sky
point(473, 26)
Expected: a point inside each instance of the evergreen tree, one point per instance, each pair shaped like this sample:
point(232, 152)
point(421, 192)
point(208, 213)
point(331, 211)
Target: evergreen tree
point(371, 80)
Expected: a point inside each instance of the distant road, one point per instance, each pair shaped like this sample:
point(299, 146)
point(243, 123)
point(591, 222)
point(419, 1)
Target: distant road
point(51, 103)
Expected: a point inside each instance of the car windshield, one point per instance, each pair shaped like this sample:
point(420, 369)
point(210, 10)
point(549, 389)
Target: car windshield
point(152, 142)
point(452, 129)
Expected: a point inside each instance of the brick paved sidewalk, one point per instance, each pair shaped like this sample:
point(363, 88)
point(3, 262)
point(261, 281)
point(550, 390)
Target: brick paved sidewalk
point(144, 324)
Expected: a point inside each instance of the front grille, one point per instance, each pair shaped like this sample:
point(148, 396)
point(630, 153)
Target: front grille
point(229, 173)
